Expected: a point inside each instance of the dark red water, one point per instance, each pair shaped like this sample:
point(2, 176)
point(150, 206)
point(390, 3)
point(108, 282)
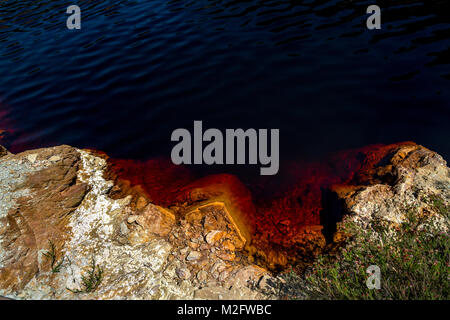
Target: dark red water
point(272, 212)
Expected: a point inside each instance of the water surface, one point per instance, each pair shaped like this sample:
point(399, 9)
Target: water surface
point(140, 69)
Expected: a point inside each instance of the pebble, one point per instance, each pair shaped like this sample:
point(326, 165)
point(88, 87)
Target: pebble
point(183, 273)
point(123, 229)
point(224, 274)
point(228, 245)
point(193, 245)
point(214, 236)
point(227, 256)
point(202, 276)
point(132, 219)
point(193, 255)
point(32, 157)
point(54, 159)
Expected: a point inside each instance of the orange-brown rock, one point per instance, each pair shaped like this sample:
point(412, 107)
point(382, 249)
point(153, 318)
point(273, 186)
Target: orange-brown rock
point(156, 220)
point(50, 192)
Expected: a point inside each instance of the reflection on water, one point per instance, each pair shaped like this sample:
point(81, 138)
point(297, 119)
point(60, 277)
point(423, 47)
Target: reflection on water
point(139, 69)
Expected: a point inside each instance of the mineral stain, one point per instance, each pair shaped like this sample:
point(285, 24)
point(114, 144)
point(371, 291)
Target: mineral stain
point(282, 219)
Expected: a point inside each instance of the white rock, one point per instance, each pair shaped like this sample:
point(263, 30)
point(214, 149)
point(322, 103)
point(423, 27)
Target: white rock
point(132, 219)
point(193, 256)
point(32, 157)
point(54, 159)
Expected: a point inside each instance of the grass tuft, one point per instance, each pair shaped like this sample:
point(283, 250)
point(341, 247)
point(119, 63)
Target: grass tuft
point(92, 281)
point(52, 256)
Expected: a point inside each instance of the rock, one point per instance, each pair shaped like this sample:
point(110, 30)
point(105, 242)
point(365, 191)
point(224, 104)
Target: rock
point(228, 245)
point(213, 236)
point(184, 251)
point(194, 217)
point(3, 151)
point(218, 267)
point(226, 256)
point(156, 220)
point(211, 293)
point(415, 178)
point(224, 274)
point(183, 273)
point(209, 223)
point(54, 158)
point(193, 256)
point(32, 157)
point(33, 211)
point(245, 276)
point(124, 229)
point(145, 252)
point(74, 195)
point(132, 219)
point(202, 276)
point(220, 293)
point(193, 245)
point(141, 203)
point(69, 201)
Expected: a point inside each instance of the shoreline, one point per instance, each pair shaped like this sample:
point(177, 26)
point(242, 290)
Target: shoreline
point(208, 239)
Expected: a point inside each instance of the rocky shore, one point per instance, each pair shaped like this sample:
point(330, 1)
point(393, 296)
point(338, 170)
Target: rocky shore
point(66, 234)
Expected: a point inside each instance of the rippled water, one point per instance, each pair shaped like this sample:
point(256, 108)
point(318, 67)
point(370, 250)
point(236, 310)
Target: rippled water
point(140, 69)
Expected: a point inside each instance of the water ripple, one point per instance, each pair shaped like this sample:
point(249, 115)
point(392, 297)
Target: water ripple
point(310, 68)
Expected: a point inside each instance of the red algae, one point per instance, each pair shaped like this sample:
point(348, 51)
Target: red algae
point(274, 218)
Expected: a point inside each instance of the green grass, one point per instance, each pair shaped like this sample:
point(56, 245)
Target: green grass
point(52, 256)
point(92, 280)
point(414, 262)
point(439, 205)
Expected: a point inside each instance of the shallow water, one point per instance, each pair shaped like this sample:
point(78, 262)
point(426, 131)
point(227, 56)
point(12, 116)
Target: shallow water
point(140, 69)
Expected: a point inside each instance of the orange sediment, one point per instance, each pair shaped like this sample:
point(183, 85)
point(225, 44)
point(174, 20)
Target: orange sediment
point(277, 222)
